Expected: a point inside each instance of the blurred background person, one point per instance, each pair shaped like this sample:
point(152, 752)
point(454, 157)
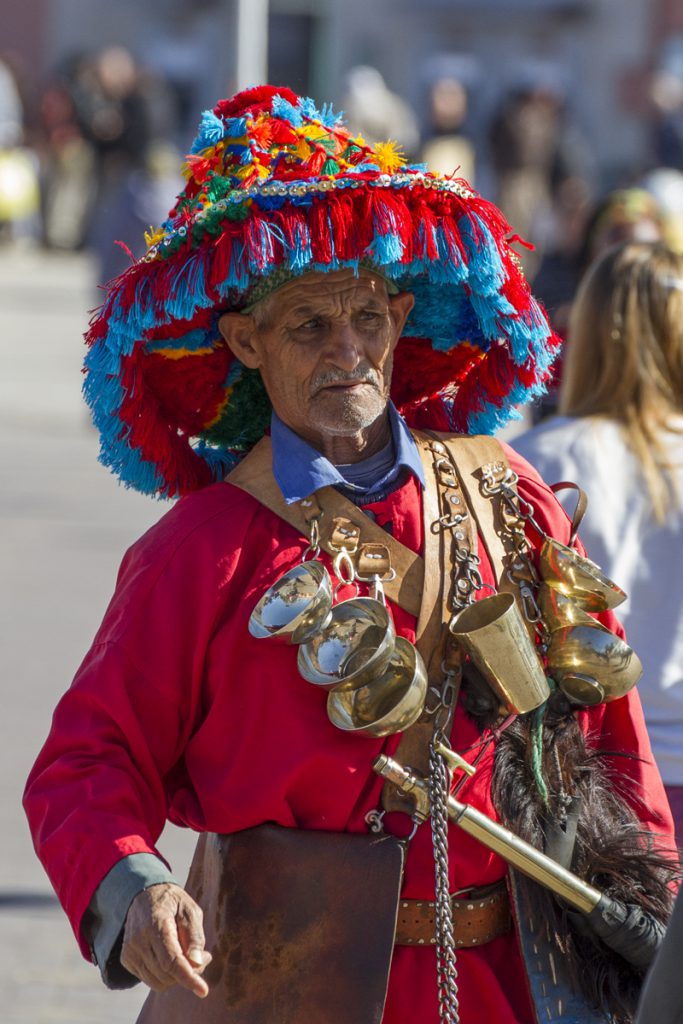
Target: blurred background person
point(448, 147)
point(666, 97)
point(619, 435)
point(377, 113)
point(18, 167)
point(629, 214)
point(540, 161)
point(126, 115)
point(67, 160)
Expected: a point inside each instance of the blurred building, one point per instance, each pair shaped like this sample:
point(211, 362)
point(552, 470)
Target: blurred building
point(600, 52)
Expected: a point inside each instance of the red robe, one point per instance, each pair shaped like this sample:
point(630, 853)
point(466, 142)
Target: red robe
point(178, 712)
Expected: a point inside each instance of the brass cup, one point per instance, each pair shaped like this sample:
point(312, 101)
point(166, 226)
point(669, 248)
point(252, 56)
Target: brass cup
point(577, 577)
point(558, 610)
point(580, 653)
point(354, 647)
point(494, 634)
point(296, 606)
point(387, 704)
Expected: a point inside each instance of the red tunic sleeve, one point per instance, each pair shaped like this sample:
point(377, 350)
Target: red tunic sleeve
point(98, 790)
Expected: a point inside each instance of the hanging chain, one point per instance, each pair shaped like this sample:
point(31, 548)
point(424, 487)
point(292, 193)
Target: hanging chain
point(499, 480)
point(465, 582)
point(446, 968)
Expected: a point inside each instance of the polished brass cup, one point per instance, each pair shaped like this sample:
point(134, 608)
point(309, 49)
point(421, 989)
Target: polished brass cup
point(591, 665)
point(296, 606)
point(387, 704)
point(494, 634)
point(354, 647)
point(558, 610)
point(564, 569)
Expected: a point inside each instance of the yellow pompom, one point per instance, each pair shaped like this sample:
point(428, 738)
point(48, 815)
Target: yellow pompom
point(389, 156)
point(153, 236)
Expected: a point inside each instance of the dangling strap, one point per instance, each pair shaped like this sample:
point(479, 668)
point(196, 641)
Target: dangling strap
point(579, 509)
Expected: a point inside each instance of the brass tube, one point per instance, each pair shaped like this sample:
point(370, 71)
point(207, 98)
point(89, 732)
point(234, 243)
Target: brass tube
point(506, 844)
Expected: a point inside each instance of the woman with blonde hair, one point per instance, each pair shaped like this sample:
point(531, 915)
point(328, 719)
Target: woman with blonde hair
point(619, 435)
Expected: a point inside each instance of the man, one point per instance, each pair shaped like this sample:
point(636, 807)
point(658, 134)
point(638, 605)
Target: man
point(302, 279)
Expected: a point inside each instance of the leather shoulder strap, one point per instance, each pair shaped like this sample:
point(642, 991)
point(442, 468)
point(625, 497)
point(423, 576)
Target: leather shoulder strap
point(470, 454)
point(254, 474)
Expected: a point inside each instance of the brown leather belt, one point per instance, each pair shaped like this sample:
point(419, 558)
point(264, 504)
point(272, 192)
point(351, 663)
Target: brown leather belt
point(482, 916)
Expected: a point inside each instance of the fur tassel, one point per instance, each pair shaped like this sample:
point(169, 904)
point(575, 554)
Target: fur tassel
point(611, 852)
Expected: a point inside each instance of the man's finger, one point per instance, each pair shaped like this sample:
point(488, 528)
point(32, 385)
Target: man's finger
point(152, 976)
point(191, 933)
point(175, 964)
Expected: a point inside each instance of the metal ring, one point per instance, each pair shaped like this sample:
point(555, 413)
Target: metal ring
point(343, 583)
point(389, 577)
point(342, 560)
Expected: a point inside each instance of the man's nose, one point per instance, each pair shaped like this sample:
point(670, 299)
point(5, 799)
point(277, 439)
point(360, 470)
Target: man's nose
point(344, 348)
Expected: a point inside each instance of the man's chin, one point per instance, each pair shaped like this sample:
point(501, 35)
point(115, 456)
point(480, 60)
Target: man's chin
point(344, 416)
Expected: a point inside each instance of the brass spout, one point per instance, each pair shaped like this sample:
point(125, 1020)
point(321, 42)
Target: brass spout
point(506, 844)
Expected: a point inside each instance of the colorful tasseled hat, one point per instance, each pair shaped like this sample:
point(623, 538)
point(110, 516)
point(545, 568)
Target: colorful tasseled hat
point(277, 187)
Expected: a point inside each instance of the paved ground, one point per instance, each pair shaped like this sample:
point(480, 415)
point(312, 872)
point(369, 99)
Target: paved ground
point(64, 524)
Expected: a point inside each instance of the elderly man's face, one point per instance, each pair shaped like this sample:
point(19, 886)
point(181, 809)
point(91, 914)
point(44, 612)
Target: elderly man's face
point(324, 344)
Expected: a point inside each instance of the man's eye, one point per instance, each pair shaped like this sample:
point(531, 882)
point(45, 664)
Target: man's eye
point(369, 315)
point(309, 325)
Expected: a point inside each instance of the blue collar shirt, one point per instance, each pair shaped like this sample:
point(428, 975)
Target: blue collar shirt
point(300, 469)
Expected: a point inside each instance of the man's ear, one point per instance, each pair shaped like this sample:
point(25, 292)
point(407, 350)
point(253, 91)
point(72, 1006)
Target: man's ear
point(239, 331)
point(399, 310)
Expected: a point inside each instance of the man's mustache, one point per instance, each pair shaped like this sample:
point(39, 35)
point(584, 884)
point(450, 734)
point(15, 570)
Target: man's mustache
point(332, 377)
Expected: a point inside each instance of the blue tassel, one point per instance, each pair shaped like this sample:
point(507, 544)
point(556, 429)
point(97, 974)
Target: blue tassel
point(211, 130)
point(235, 127)
point(270, 235)
point(301, 255)
point(490, 311)
point(193, 340)
point(486, 271)
point(188, 291)
point(386, 249)
point(284, 109)
point(237, 273)
point(443, 313)
point(219, 460)
point(329, 118)
point(308, 108)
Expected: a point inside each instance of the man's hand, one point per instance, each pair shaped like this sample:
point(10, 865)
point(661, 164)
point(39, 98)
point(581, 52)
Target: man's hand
point(163, 940)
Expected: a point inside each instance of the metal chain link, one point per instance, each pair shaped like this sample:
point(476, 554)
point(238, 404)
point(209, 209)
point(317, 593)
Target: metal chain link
point(446, 968)
point(499, 480)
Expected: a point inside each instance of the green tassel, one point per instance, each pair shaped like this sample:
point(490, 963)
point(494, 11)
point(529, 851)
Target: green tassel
point(330, 167)
point(537, 754)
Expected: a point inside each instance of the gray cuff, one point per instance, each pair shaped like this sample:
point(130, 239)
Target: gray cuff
point(109, 907)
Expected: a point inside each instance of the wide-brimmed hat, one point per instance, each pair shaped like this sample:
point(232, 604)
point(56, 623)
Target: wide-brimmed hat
point(276, 188)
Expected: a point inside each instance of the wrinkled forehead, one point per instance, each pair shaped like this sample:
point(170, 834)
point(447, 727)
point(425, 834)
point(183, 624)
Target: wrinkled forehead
point(336, 288)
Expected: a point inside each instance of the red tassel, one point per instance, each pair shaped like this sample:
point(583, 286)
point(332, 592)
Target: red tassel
point(321, 242)
point(253, 100)
point(158, 442)
point(420, 370)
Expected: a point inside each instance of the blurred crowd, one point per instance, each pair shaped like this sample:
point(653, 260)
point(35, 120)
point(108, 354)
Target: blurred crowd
point(95, 155)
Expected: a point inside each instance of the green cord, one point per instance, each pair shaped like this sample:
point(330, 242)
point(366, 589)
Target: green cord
point(537, 754)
